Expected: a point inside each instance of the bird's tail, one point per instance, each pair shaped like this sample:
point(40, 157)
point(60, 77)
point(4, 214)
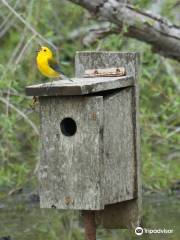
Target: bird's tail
point(64, 77)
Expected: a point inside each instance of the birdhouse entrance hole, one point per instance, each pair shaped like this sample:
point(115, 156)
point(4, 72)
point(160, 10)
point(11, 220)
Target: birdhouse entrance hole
point(68, 126)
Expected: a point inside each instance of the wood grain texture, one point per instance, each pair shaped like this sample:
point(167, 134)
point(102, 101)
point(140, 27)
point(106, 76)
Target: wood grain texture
point(118, 143)
point(88, 59)
point(70, 167)
point(98, 168)
point(119, 215)
point(124, 215)
point(80, 86)
point(94, 167)
point(105, 72)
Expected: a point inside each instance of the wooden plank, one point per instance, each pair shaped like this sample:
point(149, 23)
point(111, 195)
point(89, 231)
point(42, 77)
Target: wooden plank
point(91, 60)
point(105, 72)
point(70, 166)
point(119, 215)
point(118, 154)
point(80, 86)
point(127, 215)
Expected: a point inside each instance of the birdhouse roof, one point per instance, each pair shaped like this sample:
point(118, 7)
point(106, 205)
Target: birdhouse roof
point(79, 86)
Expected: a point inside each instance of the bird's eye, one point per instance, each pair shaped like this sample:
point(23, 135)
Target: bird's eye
point(44, 50)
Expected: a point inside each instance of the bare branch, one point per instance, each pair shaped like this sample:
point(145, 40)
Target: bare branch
point(163, 36)
point(90, 34)
point(24, 49)
point(28, 25)
point(8, 17)
point(21, 114)
point(14, 68)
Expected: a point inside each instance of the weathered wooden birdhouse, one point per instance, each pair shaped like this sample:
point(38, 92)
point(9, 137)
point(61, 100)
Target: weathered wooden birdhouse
point(89, 139)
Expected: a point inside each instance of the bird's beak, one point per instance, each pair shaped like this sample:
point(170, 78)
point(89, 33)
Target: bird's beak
point(37, 51)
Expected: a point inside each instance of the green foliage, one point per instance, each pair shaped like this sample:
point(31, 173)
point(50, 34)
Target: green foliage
point(159, 103)
point(22, 220)
point(171, 9)
point(139, 3)
point(55, 21)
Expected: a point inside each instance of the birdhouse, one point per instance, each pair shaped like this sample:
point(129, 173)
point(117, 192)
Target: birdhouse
point(89, 139)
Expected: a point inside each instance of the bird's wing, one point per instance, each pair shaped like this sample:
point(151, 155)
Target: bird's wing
point(54, 65)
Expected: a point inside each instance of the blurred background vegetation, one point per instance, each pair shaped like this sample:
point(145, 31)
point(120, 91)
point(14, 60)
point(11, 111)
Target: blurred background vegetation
point(57, 23)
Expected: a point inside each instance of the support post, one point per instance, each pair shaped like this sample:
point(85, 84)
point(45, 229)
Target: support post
point(123, 214)
point(89, 224)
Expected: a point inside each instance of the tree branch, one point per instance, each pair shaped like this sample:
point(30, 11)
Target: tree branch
point(163, 36)
point(21, 114)
point(27, 24)
point(91, 34)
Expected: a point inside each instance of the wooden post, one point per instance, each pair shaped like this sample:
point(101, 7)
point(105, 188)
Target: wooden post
point(89, 224)
point(122, 214)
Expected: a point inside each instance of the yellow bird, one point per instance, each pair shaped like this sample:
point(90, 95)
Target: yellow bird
point(47, 65)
